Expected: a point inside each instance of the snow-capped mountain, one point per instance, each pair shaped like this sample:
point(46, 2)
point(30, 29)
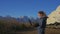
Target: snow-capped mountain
point(54, 16)
point(26, 19)
point(32, 19)
point(7, 18)
point(1, 17)
point(23, 19)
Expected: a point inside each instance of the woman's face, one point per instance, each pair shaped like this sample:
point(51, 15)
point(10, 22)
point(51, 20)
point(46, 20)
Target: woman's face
point(40, 15)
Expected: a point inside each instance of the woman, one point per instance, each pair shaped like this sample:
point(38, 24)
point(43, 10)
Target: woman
point(42, 22)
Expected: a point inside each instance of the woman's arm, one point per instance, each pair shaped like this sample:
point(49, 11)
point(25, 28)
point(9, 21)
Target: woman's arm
point(30, 22)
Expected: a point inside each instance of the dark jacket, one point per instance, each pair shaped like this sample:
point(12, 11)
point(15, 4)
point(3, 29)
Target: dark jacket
point(42, 22)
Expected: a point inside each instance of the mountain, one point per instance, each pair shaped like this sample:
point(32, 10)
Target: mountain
point(1, 17)
point(23, 19)
point(54, 16)
point(26, 19)
point(7, 18)
point(32, 19)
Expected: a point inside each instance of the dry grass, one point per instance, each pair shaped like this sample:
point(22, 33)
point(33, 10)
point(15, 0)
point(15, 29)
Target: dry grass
point(48, 31)
point(52, 31)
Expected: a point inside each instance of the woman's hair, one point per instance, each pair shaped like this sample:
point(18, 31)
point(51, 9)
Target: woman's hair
point(42, 12)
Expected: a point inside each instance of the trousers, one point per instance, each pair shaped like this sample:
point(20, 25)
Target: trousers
point(41, 30)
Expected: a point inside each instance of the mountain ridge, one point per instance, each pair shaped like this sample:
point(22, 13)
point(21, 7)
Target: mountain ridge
point(54, 16)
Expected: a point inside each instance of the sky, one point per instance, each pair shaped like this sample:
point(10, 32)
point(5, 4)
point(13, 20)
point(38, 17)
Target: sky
point(17, 8)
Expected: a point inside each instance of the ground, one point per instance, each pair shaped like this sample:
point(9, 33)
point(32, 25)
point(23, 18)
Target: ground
point(48, 31)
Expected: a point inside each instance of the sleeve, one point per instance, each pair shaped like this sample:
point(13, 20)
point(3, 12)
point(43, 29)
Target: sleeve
point(30, 21)
point(41, 21)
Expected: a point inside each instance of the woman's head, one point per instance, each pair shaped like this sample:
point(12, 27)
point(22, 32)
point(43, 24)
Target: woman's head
point(41, 14)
